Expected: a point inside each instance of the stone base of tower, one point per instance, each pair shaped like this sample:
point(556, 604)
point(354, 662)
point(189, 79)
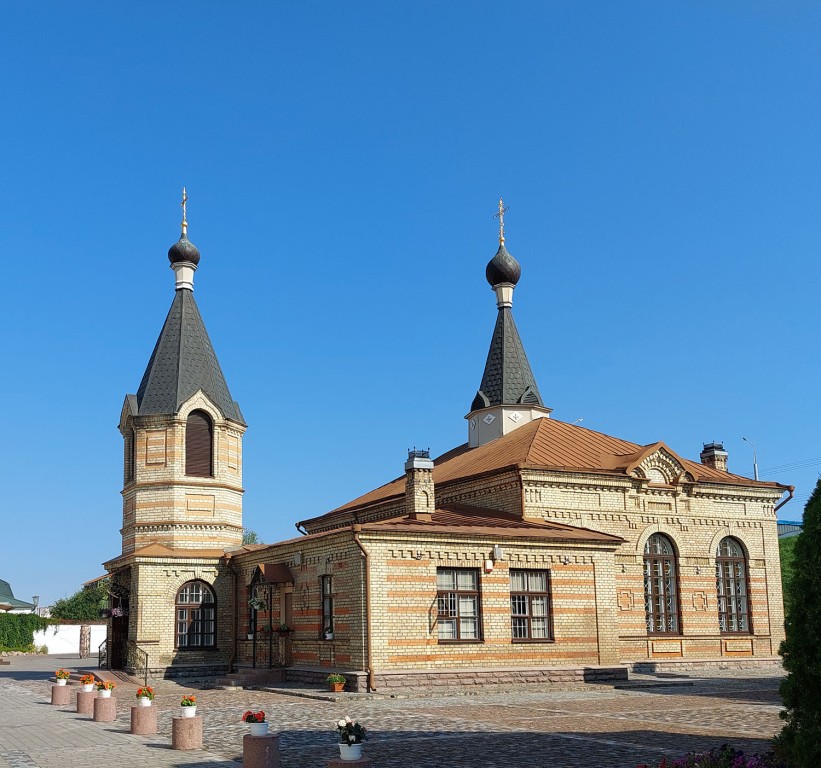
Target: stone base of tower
point(159, 586)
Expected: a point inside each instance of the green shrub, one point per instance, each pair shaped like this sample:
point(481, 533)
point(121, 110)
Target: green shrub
point(800, 739)
point(83, 605)
point(17, 630)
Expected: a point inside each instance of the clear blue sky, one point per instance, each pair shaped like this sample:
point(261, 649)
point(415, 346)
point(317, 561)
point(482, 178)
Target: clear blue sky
point(344, 160)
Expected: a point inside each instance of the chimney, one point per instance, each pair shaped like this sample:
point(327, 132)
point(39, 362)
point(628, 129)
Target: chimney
point(419, 499)
point(714, 456)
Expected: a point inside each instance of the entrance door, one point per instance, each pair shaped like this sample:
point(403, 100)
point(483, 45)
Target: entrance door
point(119, 638)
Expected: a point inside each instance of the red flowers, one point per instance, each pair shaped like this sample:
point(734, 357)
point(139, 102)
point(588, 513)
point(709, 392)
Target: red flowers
point(254, 717)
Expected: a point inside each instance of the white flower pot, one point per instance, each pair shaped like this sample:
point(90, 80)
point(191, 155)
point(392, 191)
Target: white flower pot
point(258, 729)
point(61, 681)
point(88, 688)
point(105, 693)
point(188, 711)
point(350, 751)
point(143, 701)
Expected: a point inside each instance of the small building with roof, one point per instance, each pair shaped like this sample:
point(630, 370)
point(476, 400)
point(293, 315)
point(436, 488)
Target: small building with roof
point(538, 550)
point(10, 604)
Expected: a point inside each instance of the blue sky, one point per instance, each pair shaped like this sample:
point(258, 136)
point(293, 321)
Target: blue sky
point(343, 162)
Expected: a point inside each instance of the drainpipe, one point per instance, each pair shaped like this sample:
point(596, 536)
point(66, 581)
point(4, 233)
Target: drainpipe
point(790, 489)
point(367, 580)
point(233, 572)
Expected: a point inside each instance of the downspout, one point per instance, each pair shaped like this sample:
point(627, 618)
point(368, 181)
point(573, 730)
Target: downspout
point(368, 640)
point(233, 572)
point(299, 527)
point(791, 490)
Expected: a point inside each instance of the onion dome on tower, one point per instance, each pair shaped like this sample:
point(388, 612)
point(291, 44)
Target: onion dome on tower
point(508, 396)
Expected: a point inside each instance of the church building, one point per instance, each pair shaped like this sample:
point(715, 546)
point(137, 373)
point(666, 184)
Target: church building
point(536, 551)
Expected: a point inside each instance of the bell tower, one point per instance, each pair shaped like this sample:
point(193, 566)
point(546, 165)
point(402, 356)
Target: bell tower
point(182, 482)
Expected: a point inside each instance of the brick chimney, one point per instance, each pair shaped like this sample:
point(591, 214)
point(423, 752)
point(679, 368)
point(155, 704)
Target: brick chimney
point(714, 456)
point(419, 498)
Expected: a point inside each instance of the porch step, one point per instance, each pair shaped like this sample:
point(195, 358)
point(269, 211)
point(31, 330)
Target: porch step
point(250, 678)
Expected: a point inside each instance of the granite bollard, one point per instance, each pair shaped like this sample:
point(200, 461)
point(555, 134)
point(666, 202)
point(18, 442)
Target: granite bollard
point(143, 720)
point(260, 751)
point(105, 710)
point(85, 702)
point(186, 732)
point(60, 695)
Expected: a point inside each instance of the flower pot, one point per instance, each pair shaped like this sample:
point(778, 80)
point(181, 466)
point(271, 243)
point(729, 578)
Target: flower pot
point(61, 681)
point(88, 687)
point(350, 751)
point(188, 711)
point(250, 635)
point(143, 701)
point(337, 687)
point(258, 729)
point(105, 693)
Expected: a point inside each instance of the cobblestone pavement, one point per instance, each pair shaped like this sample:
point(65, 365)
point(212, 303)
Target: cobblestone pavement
point(590, 727)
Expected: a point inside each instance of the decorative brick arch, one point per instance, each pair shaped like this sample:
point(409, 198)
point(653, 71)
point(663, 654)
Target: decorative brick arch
point(669, 532)
point(723, 534)
point(200, 402)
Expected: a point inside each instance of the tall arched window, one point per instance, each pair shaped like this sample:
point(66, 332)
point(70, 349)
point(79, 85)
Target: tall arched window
point(196, 616)
point(199, 445)
point(731, 586)
point(660, 585)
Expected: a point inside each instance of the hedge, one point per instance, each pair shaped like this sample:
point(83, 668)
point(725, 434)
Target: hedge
point(17, 630)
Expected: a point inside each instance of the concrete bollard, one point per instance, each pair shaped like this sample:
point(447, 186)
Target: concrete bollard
point(260, 751)
point(85, 702)
point(144, 720)
point(105, 710)
point(338, 762)
point(60, 695)
point(186, 732)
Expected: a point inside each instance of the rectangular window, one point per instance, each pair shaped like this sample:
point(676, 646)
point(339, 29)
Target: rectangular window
point(326, 587)
point(457, 600)
point(530, 614)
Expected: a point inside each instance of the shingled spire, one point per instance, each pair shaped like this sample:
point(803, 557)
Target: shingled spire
point(508, 396)
point(183, 361)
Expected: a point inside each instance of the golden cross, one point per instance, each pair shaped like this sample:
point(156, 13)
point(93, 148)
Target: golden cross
point(501, 216)
point(182, 205)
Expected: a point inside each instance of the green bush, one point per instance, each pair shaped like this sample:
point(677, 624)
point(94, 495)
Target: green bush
point(83, 605)
point(786, 549)
point(17, 630)
point(800, 739)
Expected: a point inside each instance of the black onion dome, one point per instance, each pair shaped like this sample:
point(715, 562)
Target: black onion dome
point(183, 250)
point(503, 268)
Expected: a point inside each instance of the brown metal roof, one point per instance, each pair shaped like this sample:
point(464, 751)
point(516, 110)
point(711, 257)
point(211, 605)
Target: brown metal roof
point(462, 519)
point(275, 573)
point(546, 444)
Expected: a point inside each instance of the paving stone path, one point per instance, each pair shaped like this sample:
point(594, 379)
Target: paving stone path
point(591, 727)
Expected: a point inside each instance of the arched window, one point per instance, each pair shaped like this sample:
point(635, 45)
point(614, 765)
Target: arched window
point(199, 442)
point(660, 585)
point(731, 586)
point(196, 612)
point(130, 455)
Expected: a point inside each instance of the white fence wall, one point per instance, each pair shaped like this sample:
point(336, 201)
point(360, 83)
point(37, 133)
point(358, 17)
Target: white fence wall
point(65, 638)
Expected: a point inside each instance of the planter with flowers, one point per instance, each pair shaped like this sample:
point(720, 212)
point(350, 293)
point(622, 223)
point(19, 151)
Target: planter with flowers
point(336, 682)
point(256, 722)
point(87, 681)
point(188, 706)
point(351, 736)
point(104, 688)
point(62, 676)
point(145, 696)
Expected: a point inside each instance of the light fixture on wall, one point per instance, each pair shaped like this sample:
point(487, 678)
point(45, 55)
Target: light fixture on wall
point(488, 566)
point(297, 558)
point(498, 552)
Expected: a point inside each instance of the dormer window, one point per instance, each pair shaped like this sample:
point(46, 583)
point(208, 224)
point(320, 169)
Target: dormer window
point(199, 445)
